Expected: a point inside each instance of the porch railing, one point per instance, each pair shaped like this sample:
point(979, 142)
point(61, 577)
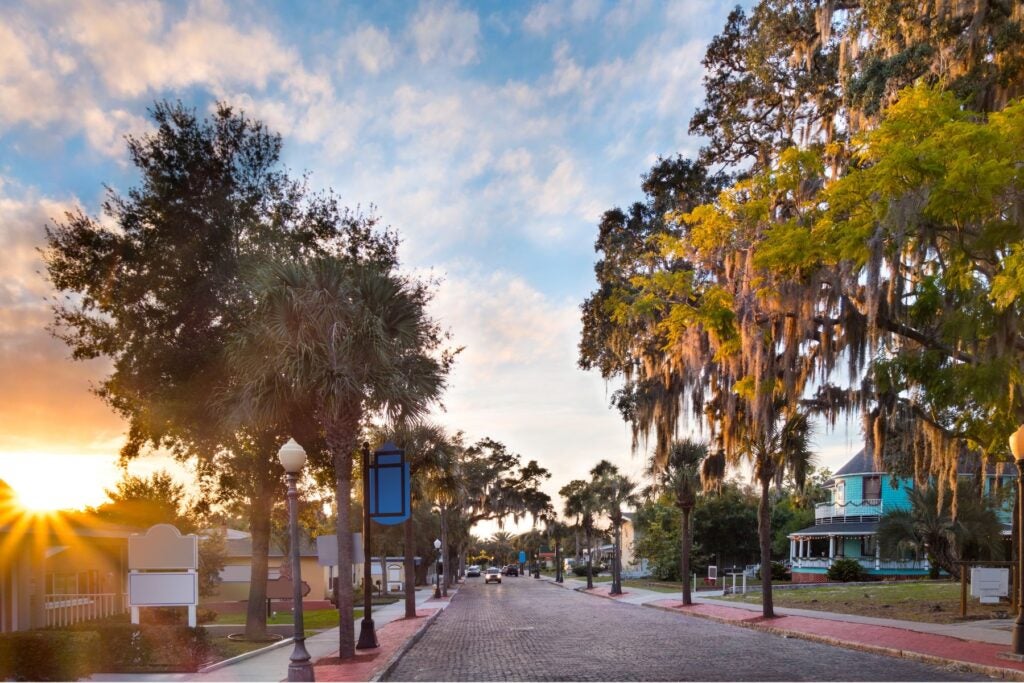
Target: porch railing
point(839, 512)
point(67, 609)
point(866, 562)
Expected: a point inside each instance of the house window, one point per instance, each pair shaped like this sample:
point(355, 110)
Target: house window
point(867, 546)
point(873, 487)
point(841, 493)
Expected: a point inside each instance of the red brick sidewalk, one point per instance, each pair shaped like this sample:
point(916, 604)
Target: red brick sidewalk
point(367, 663)
point(928, 647)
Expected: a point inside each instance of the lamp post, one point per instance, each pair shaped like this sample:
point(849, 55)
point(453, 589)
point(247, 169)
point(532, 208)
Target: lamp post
point(367, 633)
point(292, 457)
point(437, 566)
point(1017, 446)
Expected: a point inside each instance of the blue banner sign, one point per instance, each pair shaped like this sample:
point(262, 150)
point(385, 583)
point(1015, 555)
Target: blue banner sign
point(390, 486)
point(522, 556)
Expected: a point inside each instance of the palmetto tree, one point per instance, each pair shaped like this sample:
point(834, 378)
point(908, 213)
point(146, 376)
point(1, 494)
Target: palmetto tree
point(614, 491)
point(501, 544)
point(782, 446)
point(582, 504)
point(682, 476)
point(353, 339)
point(556, 530)
point(928, 527)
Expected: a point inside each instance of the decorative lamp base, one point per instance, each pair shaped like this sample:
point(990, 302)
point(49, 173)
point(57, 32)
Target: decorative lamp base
point(367, 635)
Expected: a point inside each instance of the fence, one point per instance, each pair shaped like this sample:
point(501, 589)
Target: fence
point(73, 608)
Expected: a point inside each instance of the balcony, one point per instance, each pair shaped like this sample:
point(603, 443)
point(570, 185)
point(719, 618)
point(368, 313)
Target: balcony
point(851, 511)
point(866, 562)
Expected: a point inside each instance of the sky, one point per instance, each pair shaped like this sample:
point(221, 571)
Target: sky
point(491, 135)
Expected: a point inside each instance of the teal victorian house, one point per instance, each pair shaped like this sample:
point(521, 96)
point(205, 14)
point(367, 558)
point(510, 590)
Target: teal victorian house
point(847, 525)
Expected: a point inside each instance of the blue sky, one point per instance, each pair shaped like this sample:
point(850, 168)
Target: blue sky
point(491, 135)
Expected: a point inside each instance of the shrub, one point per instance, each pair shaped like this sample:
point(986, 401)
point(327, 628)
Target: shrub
point(204, 615)
point(133, 648)
point(779, 572)
point(847, 569)
point(49, 655)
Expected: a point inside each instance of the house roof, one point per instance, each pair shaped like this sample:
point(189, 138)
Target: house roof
point(862, 463)
point(838, 528)
point(242, 547)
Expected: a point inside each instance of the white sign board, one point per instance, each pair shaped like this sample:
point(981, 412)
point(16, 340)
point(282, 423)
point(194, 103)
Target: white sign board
point(163, 589)
point(327, 550)
point(163, 547)
point(990, 583)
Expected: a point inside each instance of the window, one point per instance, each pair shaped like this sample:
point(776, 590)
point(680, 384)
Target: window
point(840, 493)
point(873, 487)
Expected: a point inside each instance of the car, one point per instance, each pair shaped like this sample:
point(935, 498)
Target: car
point(473, 570)
point(512, 570)
point(492, 574)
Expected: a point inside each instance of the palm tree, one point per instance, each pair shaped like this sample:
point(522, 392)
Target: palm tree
point(581, 502)
point(352, 337)
point(556, 530)
point(429, 451)
point(501, 544)
point(930, 527)
point(614, 491)
point(682, 476)
point(772, 453)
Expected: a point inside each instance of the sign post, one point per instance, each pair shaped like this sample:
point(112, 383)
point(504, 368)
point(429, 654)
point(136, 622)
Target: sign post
point(162, 570)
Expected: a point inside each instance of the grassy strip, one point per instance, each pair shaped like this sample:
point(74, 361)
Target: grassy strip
point(930, 602)
point(224, 648)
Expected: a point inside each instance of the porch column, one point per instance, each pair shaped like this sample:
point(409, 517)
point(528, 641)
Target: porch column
point(831, 549)
point(878, 554)
point(792, 549)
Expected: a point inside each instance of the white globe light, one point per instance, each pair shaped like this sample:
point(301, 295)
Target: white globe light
point(1017, 443)
point(292, 456)
point(437, 544)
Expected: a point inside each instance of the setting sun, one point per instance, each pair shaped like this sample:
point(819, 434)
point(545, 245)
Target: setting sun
point(52, 481)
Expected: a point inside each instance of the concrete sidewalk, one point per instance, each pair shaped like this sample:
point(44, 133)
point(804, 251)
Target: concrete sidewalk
point(271, 663)
point(973, 645)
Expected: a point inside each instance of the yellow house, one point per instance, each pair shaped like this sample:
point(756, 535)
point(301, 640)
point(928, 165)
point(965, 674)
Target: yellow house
point(236, 575)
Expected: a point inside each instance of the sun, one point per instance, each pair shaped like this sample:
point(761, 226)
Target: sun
point(44, 482)
point(38, 499)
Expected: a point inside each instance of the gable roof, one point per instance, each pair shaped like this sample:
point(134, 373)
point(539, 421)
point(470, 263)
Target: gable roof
point(862, 463)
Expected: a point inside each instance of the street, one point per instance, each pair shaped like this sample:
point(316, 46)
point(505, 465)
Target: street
point(529, 629)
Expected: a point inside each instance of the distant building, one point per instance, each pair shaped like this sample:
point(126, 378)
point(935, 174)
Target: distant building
point(847, 525)
point(236, 576)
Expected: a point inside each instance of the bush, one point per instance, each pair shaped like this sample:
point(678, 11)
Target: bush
point(779, 572)
point(133, 648)
point(847, 569)
point(204, 615)
point(49, 655)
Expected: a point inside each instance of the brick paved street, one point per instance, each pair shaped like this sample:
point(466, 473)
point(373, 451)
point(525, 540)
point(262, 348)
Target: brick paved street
point(526, 629)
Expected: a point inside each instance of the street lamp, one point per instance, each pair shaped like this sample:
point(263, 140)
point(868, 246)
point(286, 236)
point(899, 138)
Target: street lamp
point(292, 457)
point(1017, 446)
point(437, 566)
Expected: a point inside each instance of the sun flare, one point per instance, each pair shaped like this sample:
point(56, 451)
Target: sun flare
point(44, 482)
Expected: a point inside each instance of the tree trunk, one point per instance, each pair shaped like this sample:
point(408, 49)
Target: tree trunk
point(577, 548)
point(590, 560)
point(764, 533)
point(558, 561)
point(383, 570)
point(684, 554)
point(259, 510)
point(342, 446)
point(410, 569)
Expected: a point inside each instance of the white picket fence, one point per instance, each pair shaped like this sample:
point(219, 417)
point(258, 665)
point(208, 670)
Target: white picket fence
point(67, 609)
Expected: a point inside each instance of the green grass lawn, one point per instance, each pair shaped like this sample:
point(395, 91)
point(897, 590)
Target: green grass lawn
point(936, 602)
point(311, 619)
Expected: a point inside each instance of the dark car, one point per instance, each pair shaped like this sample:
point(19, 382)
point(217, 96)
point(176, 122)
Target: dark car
point(473, 570)
point(492, 574)
point(511, 570)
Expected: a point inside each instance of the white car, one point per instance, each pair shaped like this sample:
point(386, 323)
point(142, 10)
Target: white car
point(492, 574)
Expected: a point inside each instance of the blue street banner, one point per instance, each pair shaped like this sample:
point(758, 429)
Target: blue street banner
point(522, 556)
point(390, 486)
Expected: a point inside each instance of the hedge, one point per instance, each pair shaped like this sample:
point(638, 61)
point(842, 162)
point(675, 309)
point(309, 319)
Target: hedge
point(49, 655)
point(131, 648)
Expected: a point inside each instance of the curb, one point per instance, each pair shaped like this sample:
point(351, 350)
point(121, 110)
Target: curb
point(400, 652)
point(244, 656)
point(993, 671)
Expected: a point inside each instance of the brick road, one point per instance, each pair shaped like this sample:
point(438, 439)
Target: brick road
point(528, 629)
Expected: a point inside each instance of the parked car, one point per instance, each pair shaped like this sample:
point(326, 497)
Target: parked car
point(473, 570)
point(512, 570)
point(492, 574)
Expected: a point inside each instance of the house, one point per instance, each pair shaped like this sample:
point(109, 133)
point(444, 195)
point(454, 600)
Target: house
point(632, 567)
point(236, 575)
point(60, 568)
point(847, 525)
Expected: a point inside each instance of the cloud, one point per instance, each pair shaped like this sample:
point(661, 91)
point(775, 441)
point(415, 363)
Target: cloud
point(371, 48)
point(445, 34)
point(546, 17)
